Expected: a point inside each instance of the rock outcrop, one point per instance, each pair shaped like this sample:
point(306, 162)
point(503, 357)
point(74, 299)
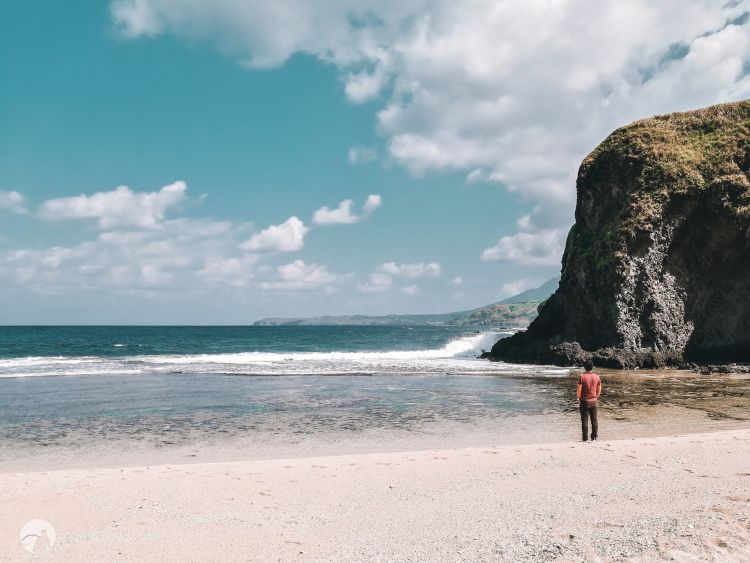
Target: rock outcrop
point(656, 269)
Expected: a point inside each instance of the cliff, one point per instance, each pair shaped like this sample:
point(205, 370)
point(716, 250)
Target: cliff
point(656, 269)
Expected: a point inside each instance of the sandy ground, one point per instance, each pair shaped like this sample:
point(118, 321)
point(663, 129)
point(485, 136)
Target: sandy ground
point(683, 498)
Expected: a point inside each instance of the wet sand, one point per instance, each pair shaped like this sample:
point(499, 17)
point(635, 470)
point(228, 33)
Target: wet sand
point(680, 497)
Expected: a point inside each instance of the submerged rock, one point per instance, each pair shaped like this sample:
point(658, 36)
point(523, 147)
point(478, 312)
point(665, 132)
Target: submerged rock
point(656, 269)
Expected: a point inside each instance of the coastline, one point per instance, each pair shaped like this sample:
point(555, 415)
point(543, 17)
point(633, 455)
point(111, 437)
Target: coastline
point(682, 496)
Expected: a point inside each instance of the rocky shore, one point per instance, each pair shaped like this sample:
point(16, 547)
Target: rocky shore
point(656, 269)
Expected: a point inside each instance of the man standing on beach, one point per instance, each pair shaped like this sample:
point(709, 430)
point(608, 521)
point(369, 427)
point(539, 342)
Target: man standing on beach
point(588, 391)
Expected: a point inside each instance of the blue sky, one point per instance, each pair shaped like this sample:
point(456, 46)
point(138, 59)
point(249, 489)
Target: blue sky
point(467, 124)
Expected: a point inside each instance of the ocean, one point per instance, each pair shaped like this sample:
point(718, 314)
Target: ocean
point(232, 350)
point(114, 395)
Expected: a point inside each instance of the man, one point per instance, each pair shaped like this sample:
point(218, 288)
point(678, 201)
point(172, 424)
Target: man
point(588, 391)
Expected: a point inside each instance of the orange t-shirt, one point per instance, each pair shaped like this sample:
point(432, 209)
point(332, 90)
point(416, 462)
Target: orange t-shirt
point(589, 381)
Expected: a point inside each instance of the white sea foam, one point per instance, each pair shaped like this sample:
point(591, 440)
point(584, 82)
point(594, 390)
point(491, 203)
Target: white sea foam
point(463, 347)
point(457, 357)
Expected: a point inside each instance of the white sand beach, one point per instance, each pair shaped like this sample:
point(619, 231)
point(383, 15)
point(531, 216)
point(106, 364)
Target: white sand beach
point(683, 498)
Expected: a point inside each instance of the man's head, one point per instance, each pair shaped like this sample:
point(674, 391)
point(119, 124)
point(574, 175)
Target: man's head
point(588, 365)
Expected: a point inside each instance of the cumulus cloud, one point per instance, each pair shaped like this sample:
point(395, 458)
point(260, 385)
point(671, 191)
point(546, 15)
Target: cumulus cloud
point(360, 154)
point(410, 289)
point(136, 18)
point(466, 87)
point(120, 207)
point(372, 203)
point(377, 283)
point(382, 278)
point(343, 215)
point(125, 259)
point(365, 85)
point(542, 248)
point(476, 176)
point(12, 201)
point(183, 256)
point(416, 270)
point(301, 276)
point(289, 236)
point(142, 252)
point(232, 271)
point(265, 33)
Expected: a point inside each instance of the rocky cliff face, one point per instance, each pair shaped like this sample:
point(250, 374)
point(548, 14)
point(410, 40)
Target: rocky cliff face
point(656, 269)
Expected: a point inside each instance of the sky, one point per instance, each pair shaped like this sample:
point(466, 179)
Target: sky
point(215, 162)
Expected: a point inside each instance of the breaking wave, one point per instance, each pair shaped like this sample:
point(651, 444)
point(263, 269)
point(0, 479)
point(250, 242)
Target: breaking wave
point(457, 357)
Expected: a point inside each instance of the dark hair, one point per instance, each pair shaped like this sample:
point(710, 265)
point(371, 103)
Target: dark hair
point(588, 365)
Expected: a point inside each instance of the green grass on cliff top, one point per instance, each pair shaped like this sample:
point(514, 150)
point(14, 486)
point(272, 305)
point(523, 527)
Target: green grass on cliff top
point(685, 150)
point(673, 154)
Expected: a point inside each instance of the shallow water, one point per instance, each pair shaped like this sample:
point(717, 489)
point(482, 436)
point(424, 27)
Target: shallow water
point(347, 390)
point(146, 419)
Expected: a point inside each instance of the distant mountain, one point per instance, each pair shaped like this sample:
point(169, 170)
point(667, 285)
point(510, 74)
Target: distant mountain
point(516, 311)
point(537, 294)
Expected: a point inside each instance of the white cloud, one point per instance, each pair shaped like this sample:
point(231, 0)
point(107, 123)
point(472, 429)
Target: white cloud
point(377, 283)
point(287, 237)
point(364, 86)
point(465, 85)
point(182, 257)
point(543, 248)
point(233, 271)
point(168, 257)
point(416, 270)
point(458, 280)
point(265, 33)
point(301, 276)
point(476, 176)
point(154, 276)
point(120, 207)
point(360, 154)
point(372, 203)
point(136, 18)
point(343, 214)
point(382, 278)
point(12, 201)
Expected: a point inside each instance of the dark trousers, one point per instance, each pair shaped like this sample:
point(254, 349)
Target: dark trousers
point(586, 412)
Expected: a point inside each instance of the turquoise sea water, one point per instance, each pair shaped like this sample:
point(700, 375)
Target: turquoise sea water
point(116, 341)
point(128, 393)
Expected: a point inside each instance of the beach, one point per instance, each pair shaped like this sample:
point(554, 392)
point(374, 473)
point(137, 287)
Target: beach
point(681, 497)
point(289, 281)
point(355, 444)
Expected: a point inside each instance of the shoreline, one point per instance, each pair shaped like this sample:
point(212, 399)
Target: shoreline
point(635, 422)
point(683, 496)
